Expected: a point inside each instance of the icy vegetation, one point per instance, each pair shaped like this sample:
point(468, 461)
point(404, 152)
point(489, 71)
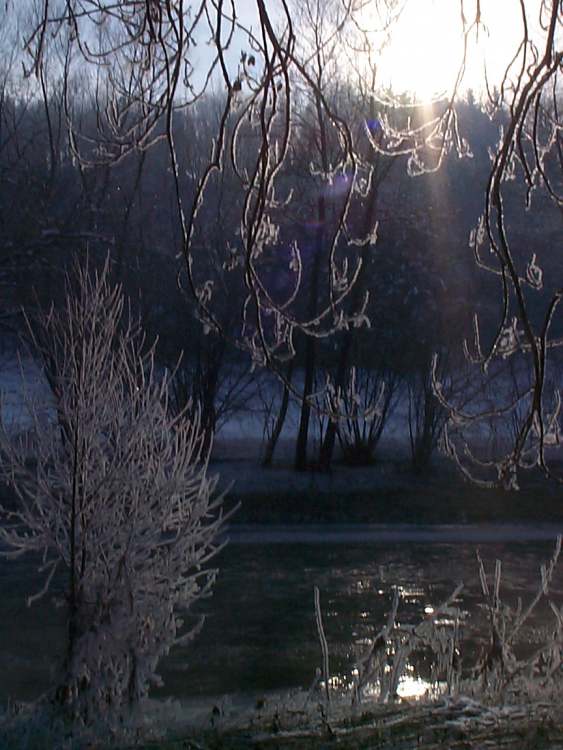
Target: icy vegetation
point(115, 492)
point(498, 674)
point(479, 678)
point(292, 233)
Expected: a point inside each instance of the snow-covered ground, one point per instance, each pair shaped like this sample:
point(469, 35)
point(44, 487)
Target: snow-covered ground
point(239, 446)
point(241, 437)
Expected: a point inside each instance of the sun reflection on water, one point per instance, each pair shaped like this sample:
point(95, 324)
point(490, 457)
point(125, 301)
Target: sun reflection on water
point(414, 688)
point(416, 681)
point(411, 686)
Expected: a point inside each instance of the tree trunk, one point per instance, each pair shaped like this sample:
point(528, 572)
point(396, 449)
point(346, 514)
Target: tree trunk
point(280, 420)
point(380, 172)
point(303, 434)
point(310, 361)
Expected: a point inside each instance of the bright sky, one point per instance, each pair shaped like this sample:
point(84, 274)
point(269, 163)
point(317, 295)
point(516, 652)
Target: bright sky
point(426, 47)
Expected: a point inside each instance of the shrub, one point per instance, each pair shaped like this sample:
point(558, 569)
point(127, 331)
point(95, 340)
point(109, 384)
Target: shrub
point(117, 496)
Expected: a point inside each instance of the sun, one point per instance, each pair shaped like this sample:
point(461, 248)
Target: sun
point(425, 49)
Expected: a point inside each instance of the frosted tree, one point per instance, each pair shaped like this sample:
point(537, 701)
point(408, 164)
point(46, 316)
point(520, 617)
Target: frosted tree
point(113, 493)
point(147, 73)
point(145, 66)
point(525, 178)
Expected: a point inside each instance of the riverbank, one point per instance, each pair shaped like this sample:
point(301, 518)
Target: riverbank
point(445, 723)
point(387, 492)
point(459, 722)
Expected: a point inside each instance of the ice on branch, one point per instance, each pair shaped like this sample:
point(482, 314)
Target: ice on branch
point(509, 340)
point(369, 239)
point(340, 277)
point(205, 292)
point(114, 494)
point(267, 234)
point(534, 274)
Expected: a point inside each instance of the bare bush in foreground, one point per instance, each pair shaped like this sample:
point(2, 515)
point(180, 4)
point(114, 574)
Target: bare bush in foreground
point(117, 495)
point(508, 670)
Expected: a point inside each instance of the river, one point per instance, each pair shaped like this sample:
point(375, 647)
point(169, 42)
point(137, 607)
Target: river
point(260, 633)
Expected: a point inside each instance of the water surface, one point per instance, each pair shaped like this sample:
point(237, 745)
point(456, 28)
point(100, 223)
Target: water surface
point(260, 632)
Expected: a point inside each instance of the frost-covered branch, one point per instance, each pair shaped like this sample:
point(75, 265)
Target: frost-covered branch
point(528, 154)
point(113, 490)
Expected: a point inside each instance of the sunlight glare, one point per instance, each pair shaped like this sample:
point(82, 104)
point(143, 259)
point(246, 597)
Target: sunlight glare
point(413, 687)
point(425, 50)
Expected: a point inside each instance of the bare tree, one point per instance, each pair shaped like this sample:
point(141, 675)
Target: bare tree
point(113, 490)
point(530, 153)
point(320, 26)
point(141, 60)
point(367, 402)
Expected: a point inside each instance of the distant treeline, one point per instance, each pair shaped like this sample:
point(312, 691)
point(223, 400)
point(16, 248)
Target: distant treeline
point(414, 295)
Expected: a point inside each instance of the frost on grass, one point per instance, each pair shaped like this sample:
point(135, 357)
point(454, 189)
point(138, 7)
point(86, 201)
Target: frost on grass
point(502, 692)
point(113, 493)
point(505, 669)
